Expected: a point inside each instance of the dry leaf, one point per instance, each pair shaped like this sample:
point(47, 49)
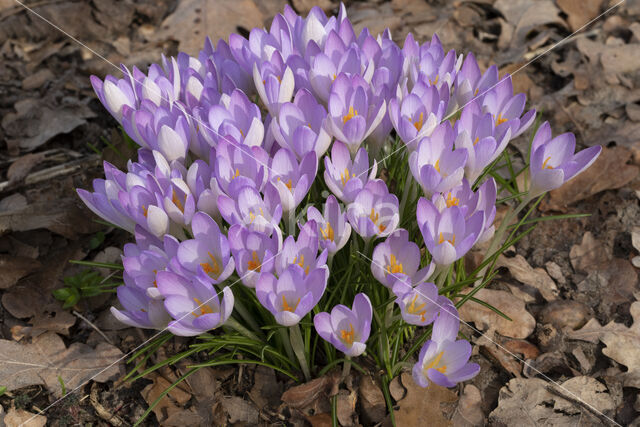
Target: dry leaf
point(20, 417)
point(610, 171)
point(589, 255)
point(305, 394)
point(15, 268)
point(20, 168)
point(529, 399)
point(579, 12)
point(521, 325)
point(535, 277)
point(565, 314)
point(172, 402)
point(435, 403)
point(469, 411)
point(621, 59)
point(346, 407)
point(266, 388)
point(46, 358)
point(374, 407)
point(240, 410)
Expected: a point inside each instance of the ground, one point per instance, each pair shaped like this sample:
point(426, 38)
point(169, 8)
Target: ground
point(570, 355)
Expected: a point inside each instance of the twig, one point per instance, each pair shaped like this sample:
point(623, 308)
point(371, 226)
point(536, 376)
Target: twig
point(102, 412)
point(106, 338)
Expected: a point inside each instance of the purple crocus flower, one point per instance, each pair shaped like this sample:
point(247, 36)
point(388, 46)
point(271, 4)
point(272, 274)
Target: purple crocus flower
point(435, 165)
point(237, 166)
point(374, 212)
point(416, 114)
point(332, 224)
point(114, 94)
point(140, 310)
point(302, 252)
point(193, 304)
point(353, 111)
point(347, 329)
point(207, 255)
point(398, 256)
point(470, 82)
point(345, 178)
point(448, 235)
point(291, 179)
point(301, 126)
point(254, 253)
point(506, 108)
point(142, 265)
point(553, 161)
point(420, 305)
point(143, 205)
point(274, 82)
point(429, 63)
point(247, 207)
point(236, 119)
point(293, 294)
point(443, 360)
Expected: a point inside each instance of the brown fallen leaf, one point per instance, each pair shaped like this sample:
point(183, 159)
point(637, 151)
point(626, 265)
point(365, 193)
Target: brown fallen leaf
point(621, 59)
point(610, 171)
point(305, 394)
point(15, 268)
point(346, 408)
point(240, 410)
point(435, 403)
point(535, 277)
point(172, 402)
point(20, 168)
point(530, 399)
point(46, 359)
point(521, 324)
point(20, 417)
point(266, 388)
point(589, 255)
point(579, 12)
point(304, 6)
point(373, 405)
point(469, 411)
point(488, 343)
point(566, 314)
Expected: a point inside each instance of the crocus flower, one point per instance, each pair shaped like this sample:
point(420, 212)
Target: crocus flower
point(448, 235)
point(301, 126)
point(247, 207)
point(142, 265)
point(254, 253)
point(420, 305)
point(291, 179)
point(293, 294)
point(347, 329)
point(443, 360)
point(114, 94)
point(143, 206)
point(207, 255)
point(417, 114)
point(302, 252)
point(194, 305)
point(353, 111)
point(236, 119)
point(374, 212)
point(398, 256)
point(553, 161)
point(345, 178)
point(237, 166)
point(274, 82)
point(334, 230)
point(470, 82)
point(435, 165)
point(506, 108)
point(140, 310)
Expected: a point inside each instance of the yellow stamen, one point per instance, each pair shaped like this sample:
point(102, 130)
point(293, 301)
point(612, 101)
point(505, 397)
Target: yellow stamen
point(435, 81)
point(143, 310)
point(500, 120)
point(204, 308)
point(394, 267)
point(287, 307)
point(451, 200)
point(434, 363)
point(350, 115)
point(327, 232)
point(237, 174)
point(145, 210)
point(288, 183)
point(344, 176)
point(418, 123)
point(442, 239)
point(476, 141)
point(348, 336)
point(374, 216)
point(437, 165)
point(301, 263)
point(418, 310)
point(176, 201)
point(211, 268)
point(476, 92)
point(252, 217)
point(544, 165)
point(254, 263)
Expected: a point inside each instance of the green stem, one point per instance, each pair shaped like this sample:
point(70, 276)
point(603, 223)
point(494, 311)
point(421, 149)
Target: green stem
point(406, 191)
point(346, 368)
point(286, 342)
point(233, 323)
point(298, 348)
point(244, 313)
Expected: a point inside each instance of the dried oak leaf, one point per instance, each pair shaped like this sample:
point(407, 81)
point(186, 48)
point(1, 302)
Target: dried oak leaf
point(579, 12)
point(15, 268)
point(535, 277)
point(172, 402)
point(20, 417)
point(469, 411)
point(622, 343)
point(46, 359)
point(435, 403)
point(610, 171)
point(521, 324)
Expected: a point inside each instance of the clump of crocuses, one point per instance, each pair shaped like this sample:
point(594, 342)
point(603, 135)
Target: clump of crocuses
point(258, 167)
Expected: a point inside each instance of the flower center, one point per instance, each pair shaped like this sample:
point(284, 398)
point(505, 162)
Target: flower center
point(435, 81)
point(394, 266)
point(418, 123)
point(350, 115)
point(452, 240)
point(434, 364)
point(211, 268)
point(301, 263)
point(437, 165)
point(327, 232)
point(476, 141)
point(252, 216)
point(145, 211)
point(176, 201)
point(344, 176)
point(544, 165)
point(374, 216)
point(237, 174)
point(418, 309)
point(348, 336)
point(288, 183)
point(452, 200)
point(287, 307)
point(254, 263)
point(500, 120)
point(204, 308)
